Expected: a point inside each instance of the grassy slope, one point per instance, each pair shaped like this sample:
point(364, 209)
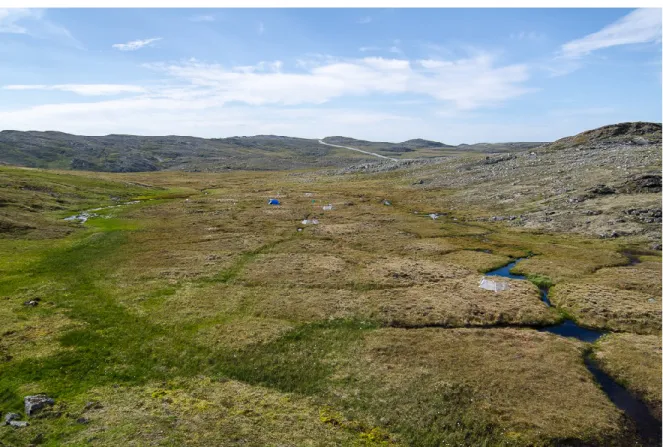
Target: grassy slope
point(204, 317)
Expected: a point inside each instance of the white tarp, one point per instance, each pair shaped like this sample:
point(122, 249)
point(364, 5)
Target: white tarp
point(327, 207)
point(490, 284)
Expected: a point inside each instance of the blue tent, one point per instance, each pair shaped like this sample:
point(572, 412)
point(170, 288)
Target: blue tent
point(274, 202)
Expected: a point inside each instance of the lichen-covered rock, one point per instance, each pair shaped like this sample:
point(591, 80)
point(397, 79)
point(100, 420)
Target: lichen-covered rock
point(11, 417)
point(36, 403)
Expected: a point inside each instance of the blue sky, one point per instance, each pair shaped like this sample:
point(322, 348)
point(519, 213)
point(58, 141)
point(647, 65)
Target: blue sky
point(452, 75)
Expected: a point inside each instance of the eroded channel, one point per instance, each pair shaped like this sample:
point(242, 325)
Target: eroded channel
point(646, 425)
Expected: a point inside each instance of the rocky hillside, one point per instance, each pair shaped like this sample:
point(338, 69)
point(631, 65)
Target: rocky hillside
point(622, 133)
point(129, 153)
point(420, 148)
point(604, 182)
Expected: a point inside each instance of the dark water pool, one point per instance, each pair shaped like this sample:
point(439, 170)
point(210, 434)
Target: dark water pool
point(648, 427)
point(569, 329)
point(506, 271)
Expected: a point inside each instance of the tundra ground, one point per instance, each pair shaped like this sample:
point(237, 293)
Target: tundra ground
point(203, 316)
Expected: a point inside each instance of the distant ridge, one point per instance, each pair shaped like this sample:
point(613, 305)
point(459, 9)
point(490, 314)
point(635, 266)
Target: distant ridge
point(132, 153)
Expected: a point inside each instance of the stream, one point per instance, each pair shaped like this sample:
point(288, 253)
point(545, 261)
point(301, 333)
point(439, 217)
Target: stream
point(83, 216)
point(647, 426)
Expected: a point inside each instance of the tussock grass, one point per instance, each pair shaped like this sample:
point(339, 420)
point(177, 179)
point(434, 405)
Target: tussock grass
point(204, 317)
point(635, 361)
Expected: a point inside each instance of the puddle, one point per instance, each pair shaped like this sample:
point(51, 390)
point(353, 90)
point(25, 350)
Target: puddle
point(648, 427)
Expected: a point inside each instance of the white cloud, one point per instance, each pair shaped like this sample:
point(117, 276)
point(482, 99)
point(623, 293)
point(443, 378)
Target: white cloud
point(261, 28)
point(202, 18)
point(33, 22)
point(369, 48)
point(9, 19)
point(82, 89)
point(365, 20)
point(158, 117)
point(135, 44)
point(465, 83)
point(194, 97)
point(639, 26)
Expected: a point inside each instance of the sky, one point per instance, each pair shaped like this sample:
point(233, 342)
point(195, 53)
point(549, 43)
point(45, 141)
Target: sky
point(450, 75)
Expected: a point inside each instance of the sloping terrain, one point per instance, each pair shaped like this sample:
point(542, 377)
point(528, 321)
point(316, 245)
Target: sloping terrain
point(130, 153)
point(187, 311)
point(604, 183)
point(419, 148)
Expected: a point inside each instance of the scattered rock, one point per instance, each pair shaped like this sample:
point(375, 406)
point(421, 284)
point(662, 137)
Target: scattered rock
point(92, 405)
point(602, 190)
point(645, 215)
point(656, 246)
point(34, 404)
point(32, 303)
point(643, 183)
point(11, 417)
point(19, 424)
point(83, 420)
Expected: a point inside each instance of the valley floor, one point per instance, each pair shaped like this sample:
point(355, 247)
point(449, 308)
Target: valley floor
point(196, 314)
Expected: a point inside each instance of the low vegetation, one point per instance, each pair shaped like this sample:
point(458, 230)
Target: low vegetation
point(194, 313)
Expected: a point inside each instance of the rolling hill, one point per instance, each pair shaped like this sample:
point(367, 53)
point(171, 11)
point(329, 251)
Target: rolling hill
point(130, 153)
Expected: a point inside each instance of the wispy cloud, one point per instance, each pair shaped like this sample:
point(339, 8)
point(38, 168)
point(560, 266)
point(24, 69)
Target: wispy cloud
point(639, 26)
point(81, 89)
point(194, 97)
point(202, 18)
point(33, 22)
point(369, 48)
point(464, 83)
point(135, 44)
point(261, 28)
point(9, 19)
point(365, 20)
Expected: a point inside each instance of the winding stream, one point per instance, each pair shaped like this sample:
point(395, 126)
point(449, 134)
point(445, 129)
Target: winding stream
point(83, 216)
point(648, 427)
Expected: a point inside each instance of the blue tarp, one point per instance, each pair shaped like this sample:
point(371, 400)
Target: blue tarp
point(274, 202)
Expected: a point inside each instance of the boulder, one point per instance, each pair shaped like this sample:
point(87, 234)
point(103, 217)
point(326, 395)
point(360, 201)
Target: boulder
point(34, 404)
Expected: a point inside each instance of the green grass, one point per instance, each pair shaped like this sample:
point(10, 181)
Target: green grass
point(176, 295)
point(541, 281)
point(300, 361)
